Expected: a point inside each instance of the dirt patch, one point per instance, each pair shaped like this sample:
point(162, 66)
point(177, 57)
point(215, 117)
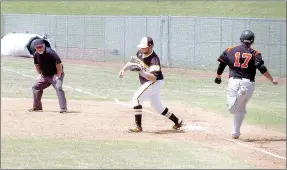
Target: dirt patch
point(108, 120)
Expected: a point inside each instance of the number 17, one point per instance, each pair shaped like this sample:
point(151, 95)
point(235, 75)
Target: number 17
point(247, 57)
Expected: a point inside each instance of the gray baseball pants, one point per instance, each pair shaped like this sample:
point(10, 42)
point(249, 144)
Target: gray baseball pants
point(45, 82)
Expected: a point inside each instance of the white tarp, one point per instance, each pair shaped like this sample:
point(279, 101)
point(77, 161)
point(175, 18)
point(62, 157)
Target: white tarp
point(15, 44)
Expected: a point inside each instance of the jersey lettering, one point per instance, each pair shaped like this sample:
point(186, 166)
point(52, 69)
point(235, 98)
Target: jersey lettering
point(246, 56)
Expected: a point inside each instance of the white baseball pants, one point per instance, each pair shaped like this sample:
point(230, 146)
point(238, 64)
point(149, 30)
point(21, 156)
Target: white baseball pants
point(237, 101)
point(150, 91)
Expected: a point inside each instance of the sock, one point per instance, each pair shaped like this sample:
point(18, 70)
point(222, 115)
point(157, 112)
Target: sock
point(174, 118)
point(138, 120)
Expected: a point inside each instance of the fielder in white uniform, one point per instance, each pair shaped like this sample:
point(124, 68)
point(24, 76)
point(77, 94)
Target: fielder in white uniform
point(151, 79)
point(243, 62)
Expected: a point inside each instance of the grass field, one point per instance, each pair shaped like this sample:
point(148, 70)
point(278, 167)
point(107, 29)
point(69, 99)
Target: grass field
point(111, 154)
point(253, 9)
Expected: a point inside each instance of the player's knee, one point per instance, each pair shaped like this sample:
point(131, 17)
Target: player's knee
point(35, 87)
point(58, 87)
point(135, 97)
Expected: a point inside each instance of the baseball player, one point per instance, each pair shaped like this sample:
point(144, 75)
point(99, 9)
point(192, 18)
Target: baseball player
point(50, 71)
point(151, 79)
point(242, 61)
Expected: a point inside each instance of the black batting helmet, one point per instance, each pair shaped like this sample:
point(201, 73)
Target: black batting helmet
point(247, 37)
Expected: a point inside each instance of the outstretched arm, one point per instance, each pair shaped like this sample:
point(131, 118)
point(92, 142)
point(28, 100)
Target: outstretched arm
point(259, 63)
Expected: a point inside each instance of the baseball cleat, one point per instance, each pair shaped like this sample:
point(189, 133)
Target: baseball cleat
point(63, 111)
point(235, 137)
point(35, 110)
point(135, 130)
point(178, 126)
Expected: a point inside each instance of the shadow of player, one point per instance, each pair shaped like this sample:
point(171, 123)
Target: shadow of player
point(264, 140)
point(53, 111)
point(161, 132)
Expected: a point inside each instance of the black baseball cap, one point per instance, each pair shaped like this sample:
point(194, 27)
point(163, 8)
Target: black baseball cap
point(38, 42)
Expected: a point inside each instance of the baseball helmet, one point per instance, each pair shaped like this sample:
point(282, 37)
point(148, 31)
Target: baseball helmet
point(247, 37)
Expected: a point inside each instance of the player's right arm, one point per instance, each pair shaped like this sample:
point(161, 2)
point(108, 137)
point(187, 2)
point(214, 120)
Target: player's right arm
point(259, 64)
point(125, 67)
point(36, 63)
point(222, 64)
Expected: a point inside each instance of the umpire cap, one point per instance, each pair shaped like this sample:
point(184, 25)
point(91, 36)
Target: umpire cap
point(247, 37)
point(38, 42)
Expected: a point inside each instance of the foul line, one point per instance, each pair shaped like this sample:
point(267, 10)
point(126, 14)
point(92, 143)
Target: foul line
point(128, 105)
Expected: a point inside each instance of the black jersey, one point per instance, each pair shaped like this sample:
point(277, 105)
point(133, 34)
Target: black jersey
point(150, 63)
point(242, 61)
point(47, 61)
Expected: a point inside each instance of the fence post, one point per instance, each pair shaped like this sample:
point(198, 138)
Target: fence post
point(268, 48)
point(2, 25)
point(84, 43)
point(280, 52)
point(194, 41)
point(169, 62)
point(124, 42)
point(146, 21)
point(67, 33)
point(161, 36)
point(220, 46)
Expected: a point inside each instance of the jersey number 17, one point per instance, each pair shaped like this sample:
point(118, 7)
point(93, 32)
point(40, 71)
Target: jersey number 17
point(246, 56)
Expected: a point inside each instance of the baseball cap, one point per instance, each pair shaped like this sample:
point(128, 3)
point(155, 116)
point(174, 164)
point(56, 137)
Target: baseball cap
point(145, 42)
point(38, 42)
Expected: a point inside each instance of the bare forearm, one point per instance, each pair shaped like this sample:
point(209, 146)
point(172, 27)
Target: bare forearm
point(268, 76)
point(38, 69)
point(59, 69)
point(148, 76)
point(125, 67)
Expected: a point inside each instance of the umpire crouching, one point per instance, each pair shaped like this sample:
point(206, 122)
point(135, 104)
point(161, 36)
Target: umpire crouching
point(50, 71)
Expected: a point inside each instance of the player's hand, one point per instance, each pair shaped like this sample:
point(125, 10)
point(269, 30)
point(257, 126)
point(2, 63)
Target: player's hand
point(39, 77)
point(217, 80)
point(275, 81)
point(55, 77)
point(121, 74)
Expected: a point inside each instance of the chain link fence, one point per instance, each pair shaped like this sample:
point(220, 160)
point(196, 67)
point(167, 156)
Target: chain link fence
point(180, 41)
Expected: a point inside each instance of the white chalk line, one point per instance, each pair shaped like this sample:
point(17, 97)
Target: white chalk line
point(128, 105)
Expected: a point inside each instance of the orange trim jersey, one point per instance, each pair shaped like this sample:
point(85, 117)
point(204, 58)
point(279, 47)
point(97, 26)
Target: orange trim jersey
point(242, 62)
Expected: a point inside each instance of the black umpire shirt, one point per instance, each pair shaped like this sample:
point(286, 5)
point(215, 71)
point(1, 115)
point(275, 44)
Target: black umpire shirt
point(47, 61)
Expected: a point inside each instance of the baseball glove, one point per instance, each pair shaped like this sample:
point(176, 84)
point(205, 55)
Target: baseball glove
point(217, 80)
point(135, 67)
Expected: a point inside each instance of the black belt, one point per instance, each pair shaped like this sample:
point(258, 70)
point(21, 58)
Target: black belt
point(243, 78)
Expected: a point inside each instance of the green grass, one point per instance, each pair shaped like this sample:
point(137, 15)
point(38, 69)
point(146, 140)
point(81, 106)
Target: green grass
point(267, 106)
point(46, 153)
point(253, 9)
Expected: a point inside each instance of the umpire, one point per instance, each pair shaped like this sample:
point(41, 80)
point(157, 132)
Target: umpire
point(50, 71)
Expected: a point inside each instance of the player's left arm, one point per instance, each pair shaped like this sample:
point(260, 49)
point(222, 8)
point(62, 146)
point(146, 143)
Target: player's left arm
point(259, 64)
point(58, 63)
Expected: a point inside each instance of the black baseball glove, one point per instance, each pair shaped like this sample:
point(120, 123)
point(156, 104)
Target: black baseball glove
point(135, 67)
point(217, 80)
